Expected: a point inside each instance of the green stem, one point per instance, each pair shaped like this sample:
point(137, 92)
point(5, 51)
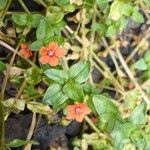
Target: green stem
point(42, 3)
point(4, 84)
point(88, 120)
point(2, 126)
point(5, 11)
point(24, 6)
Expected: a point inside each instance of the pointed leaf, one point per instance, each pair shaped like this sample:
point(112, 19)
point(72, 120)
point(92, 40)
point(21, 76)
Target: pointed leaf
point(18, 143)
point(104, 105)
point(79, 72)
point(20, 19)
point(138, 115)
point(59, 76)
point(73, 91)
point(54, 96)
point(41, 30)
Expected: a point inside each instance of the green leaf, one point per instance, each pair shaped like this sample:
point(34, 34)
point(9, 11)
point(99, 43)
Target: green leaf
point(61, 2)
point(2, 66)
point(147, 89)
point(18, 143)
point(41, 30)
point(31, 91)
point(12, 103)
point(115, 10)
point(138, 139)
point(58, 39)
point(111, 30)
point(104, 105)
point(57, 28)
point(102, 4)
point(99, 27)
point(73, 91)
point(54, 96)
point(55, 17)
point(147, 2)
point(127, 9)
point(3, 4)
point(53, 8)
point(39, 108)
point(79, 72)
point(147, 143)
point(69, 8)
point(138, 115)
point(137, 16)
point(33, 20)
point(51, 93)
point(111, 120)
point(140, 65)
point(121, 135)
point(59, 76)
point(147, 56)
point(33, 75)
point(20, 19)
point(36, 45)
point(131, 98)
point(119, 9)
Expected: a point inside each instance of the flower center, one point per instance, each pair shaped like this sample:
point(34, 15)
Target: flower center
point(50, 53)
point(77, 110)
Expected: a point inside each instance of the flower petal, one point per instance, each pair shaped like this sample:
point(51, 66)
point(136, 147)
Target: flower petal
point(52, 46)
point(70, 115)
point(53, 61)
point(71, 112)
point(86, 110)
point(79, 117)
point(43, 51)
point(44, 59)
point(59, 52)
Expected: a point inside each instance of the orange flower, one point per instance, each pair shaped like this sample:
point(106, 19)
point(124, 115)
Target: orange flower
point(77, 112)
point(25, 51)
point(51, 54)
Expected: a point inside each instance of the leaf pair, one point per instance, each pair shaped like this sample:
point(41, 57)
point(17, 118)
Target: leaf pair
point(67, 84)
point(23, 19)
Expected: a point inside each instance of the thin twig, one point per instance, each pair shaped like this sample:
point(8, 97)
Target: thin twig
point(4, 84)
point(138, 47)
point(5, 11)
point(110, 75)
point(88, 120)
point(33, 123)
point(31, 130)
point(42, 3)
point(24, 6)
point(129, 73)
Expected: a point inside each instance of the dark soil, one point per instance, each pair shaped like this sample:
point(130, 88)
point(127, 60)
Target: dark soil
point(46, 135)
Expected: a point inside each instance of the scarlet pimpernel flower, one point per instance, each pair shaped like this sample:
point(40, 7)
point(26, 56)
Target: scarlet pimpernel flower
point(25, 51)
point(51, 54)
point(77, 112)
